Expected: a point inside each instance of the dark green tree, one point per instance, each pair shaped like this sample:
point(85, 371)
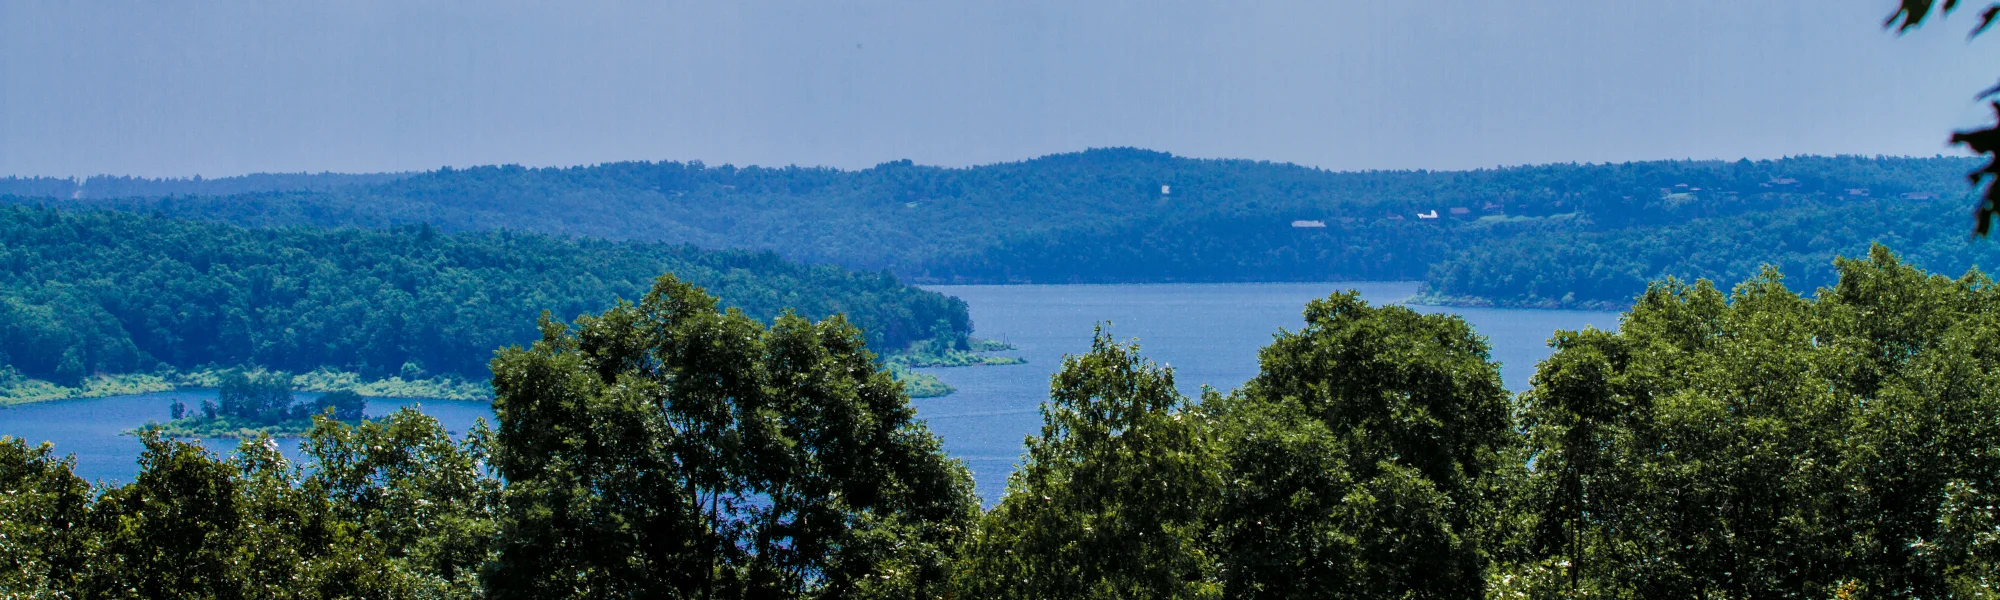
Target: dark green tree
point(345, 405)
point(671, 449)
point(1364, 459)
point(194, 526)
point(173, 532)
point(258, 396)
point(402, 481)
point(1761, 444)
point(1116, 498)
point(45, 534)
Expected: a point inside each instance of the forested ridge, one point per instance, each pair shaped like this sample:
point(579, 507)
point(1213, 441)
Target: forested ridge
point(1754, 443)
point(118, 186)
point(1582, 268)
point(1105, 215)
point(102, 292)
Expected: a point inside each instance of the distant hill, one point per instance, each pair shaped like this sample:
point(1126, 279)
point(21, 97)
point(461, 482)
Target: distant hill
point(1106, 215)
point(103, 293)
point(109, 186)
point(1606, 269)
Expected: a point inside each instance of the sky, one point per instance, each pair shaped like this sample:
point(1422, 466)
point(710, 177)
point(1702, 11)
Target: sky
point(227, 87)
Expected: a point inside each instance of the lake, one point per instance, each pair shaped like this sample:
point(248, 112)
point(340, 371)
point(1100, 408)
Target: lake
point(92, 429)
point(1209, 334)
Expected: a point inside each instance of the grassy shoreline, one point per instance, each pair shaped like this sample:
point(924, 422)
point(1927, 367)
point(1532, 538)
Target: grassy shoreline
point(919, 355)
point(226, 427)
point(1431, 299)
point(17, 390)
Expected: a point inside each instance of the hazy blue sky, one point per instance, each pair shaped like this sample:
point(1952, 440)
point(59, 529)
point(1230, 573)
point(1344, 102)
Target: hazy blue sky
point(225, 87)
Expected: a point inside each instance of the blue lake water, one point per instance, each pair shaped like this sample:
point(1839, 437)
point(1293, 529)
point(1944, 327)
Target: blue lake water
point(92, 429)
point(1209, 334)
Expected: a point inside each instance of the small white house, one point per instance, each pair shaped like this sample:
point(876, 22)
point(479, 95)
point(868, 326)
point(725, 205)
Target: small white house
point(1428, 215)
point(1304, 224)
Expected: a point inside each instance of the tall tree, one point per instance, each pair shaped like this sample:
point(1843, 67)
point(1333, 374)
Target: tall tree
point(1116, 498)
point(673, 449)
point(1761, 444)
point(1364, 458)
point(45, 537)
point(402, 481)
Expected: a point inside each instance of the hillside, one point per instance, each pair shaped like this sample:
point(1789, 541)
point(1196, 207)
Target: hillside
point(110, 186)
point(1108, 215)
point(1607, 269)
point(86, 293)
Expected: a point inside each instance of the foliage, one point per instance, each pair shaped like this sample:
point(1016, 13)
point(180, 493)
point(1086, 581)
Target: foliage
point(918, 384)
point(1096, 216)
point(15, 389)
point(1606, 270)
point(258, 403)
point(985, 345)
point(670, 448)
point(390, 509)
point(1364, 457)
point(201, 426)
point(1758, 442)
point(1113, 500)
point(937, 352)
point(343, 405)
point(1986, 141)
point(88, 293)
point(1750, 444)
point(404, 481)
point(45, 535)
point(259, 397)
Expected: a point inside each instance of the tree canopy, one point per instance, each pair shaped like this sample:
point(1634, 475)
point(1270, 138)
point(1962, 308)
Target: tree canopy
point(669, 448)
point(86, 292)
point(1748, 444)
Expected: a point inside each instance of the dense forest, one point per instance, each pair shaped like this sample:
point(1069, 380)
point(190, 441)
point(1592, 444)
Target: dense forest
point(102, 292)
point(1749, 444)
point(1107, 215)
point(1576, 268)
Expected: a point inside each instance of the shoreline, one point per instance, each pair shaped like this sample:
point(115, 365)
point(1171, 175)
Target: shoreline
point(31, 391)
point(1430, 299)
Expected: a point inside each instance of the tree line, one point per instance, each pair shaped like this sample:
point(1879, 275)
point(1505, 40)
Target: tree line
point(1744, 444)
point(1571, 268)
point(89, 292)
point(1102, 215)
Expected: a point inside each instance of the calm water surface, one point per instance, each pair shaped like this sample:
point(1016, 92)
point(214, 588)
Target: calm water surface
point(92, 429)
point(1209, 334)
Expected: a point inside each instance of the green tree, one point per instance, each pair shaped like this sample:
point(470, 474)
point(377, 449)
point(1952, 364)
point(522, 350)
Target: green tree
point(195, 526)
point(45, 538)
point(402, 481)
point(259, 396)
point(672, 449)
point(346, 405)
point(1761, 444)
point(1364, 459)
point(1116, 498)
point(172, 532)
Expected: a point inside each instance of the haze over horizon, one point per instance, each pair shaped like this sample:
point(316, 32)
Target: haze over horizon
point(128, 88)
